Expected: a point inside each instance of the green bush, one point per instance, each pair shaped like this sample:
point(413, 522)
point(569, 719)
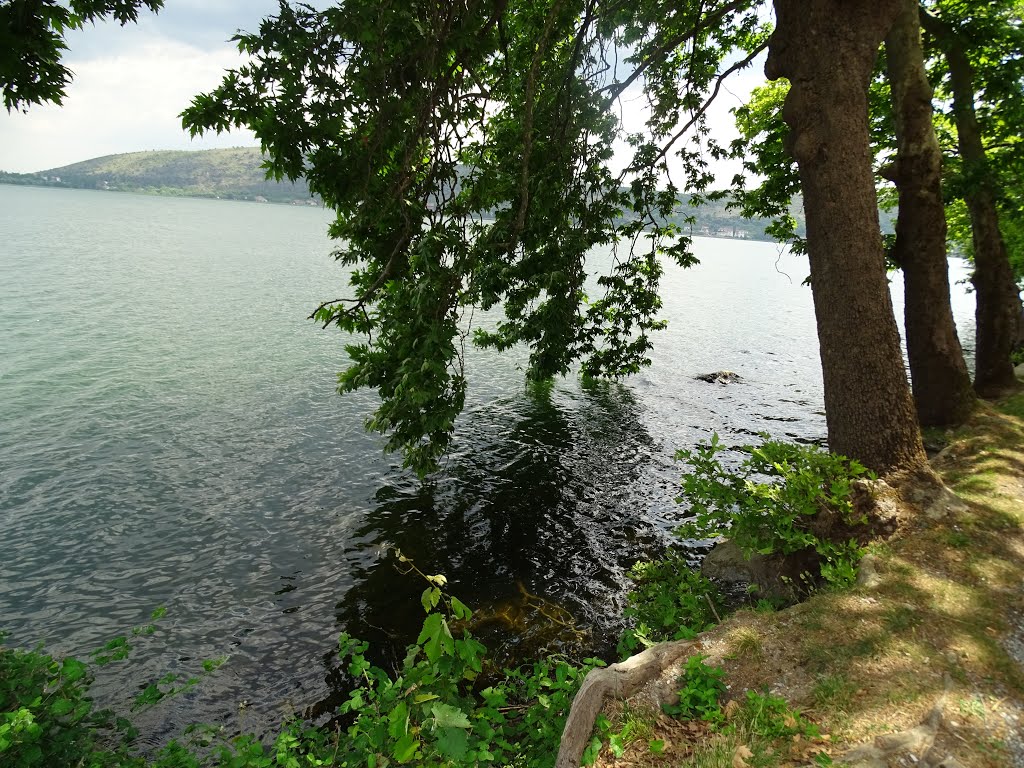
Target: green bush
point(669, 601)
point(782, 499)
point(700, 692)
point(431, 712)
point(46, 716)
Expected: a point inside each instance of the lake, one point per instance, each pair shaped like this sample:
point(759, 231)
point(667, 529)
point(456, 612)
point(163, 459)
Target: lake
point(170, 435)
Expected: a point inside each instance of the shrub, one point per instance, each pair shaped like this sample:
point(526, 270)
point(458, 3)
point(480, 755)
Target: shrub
point(701, 689)
point(782, 499)
point(670, 601)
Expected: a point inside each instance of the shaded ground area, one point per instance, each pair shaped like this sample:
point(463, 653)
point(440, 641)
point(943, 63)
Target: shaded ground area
point(939, 633)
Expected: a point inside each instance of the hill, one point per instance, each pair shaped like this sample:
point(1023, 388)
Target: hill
point(238, 174)
point(233, 174)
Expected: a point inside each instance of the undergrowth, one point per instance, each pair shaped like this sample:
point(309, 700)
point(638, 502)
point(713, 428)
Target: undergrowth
point(777, 501)
point(433, 711)
point(669, 601)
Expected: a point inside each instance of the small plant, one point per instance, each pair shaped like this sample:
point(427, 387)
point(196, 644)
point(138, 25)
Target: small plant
point(769, 717)
point(700, 694)
point(746, 643)
point(632, 725)
point(833, 691)
point(782, 499)
point(670, 601)
point(767, 605)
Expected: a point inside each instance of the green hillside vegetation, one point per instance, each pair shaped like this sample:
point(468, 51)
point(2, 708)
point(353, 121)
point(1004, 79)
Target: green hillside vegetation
point(237, 174)
point(234, 174)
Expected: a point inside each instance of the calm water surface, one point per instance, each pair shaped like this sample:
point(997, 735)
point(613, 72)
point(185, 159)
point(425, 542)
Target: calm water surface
point(170, 435)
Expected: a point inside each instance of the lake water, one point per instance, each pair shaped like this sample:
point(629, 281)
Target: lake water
point(170, 435)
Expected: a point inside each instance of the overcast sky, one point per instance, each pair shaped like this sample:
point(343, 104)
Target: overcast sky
point(131, 83)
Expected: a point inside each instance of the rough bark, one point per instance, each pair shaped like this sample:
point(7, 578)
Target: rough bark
point(941, 383)
point(827, 49)
point(619, 681)
point(998, 305)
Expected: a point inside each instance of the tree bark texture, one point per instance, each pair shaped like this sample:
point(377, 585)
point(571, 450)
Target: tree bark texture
point(998, 304)
point(827, 49)
point(941, 383)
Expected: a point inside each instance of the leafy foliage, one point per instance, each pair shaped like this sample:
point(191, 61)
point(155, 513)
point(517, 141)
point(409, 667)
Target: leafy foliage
point(48, 718)
point(701, 689)
point(770, 717)
point(783, 498)
point(670, 601)
point(465, 148)
point(32, 43)
point(430, 712)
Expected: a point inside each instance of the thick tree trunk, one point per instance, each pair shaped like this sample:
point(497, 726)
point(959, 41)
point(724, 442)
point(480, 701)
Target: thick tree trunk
point(998, 305)
point(941, 383)
point(827, 49)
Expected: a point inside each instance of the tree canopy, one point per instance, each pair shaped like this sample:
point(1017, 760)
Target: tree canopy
point(465, 148)
point(32, 43)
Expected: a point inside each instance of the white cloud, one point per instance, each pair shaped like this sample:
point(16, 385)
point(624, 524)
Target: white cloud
point(123, 102)
point(131, 83)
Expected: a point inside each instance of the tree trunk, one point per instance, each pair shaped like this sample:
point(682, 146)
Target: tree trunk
point(827, 49)
point(941, 382)
point(998, 305)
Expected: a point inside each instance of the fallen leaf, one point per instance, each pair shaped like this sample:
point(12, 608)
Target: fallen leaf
point(740, 757)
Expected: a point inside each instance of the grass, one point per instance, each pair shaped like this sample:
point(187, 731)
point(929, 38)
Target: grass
point(873, 661)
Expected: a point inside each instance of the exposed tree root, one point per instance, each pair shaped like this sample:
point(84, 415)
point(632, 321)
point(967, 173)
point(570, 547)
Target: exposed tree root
point(618, 681)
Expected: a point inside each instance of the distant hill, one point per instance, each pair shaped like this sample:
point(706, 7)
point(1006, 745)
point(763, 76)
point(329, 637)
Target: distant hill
point(233, 174)
point(236, 174)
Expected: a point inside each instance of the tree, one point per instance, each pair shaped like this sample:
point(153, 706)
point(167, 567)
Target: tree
point(827, 50)
point(966, 41)
point(414, 123)
point(902, 120)
point(32, 43)
point(941, 384)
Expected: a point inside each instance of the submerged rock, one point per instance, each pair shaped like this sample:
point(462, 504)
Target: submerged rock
point(719, 377)
point(526, 626)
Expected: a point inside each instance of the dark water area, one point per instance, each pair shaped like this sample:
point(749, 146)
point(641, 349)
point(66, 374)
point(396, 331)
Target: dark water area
point(170, 435)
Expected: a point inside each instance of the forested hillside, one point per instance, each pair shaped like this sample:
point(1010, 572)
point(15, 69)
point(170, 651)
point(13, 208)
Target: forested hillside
point(234, 174)
point(237, 174)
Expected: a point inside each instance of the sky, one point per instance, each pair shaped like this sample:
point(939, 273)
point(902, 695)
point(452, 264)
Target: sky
point(130, 84)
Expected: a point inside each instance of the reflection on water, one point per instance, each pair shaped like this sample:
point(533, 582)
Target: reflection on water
point(169, 435)
point(540, 491)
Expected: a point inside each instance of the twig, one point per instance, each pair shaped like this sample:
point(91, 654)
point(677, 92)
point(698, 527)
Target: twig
point(712, 606)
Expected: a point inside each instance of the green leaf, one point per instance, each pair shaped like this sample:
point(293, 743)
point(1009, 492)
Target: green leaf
point(430, 598)
point(453, 743)
point(398, 720)
point(72, 670)
point(405, 749)
point(460, 611)
point(436, 638)
point(447, 716)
